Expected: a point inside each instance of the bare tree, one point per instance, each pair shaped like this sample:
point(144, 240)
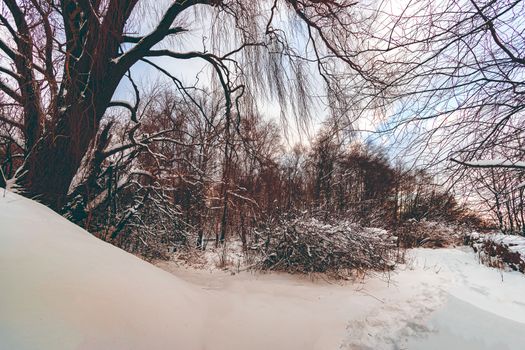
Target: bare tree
point(454, 84)
point(63, 60)
point(455, 72)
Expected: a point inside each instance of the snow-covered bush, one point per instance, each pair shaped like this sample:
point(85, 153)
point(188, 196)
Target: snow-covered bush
point(307, 246)
point(499, 250)
point(430, 234)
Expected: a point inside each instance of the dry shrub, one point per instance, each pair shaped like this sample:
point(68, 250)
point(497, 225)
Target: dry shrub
point(309, 246)
point(499, 250)
point(429, 234)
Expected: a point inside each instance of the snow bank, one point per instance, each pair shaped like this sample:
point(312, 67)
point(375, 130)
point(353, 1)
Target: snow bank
point(499, 249)
point(514, 243)
point(460, 325)
point(461, 276)
point(440, 298)
point(62, 288)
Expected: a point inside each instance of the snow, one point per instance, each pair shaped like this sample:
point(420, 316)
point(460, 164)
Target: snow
point(463, 326)
point(418, 306)
point(496, 163)
point(513, 243)
point(497, 292)
point(484, 309)
point(61, 288)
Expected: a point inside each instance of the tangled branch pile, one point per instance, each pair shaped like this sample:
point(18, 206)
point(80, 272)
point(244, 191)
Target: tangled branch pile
point(306, 246)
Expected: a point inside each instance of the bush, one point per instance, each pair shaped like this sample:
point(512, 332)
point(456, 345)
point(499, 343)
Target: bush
point(429, 234)
point(309, 246)
point(498, 250)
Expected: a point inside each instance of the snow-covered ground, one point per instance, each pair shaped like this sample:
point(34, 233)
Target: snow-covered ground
point(439, 298)
point(61, 288)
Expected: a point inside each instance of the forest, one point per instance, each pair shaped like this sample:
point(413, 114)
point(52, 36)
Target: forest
point(302, 136)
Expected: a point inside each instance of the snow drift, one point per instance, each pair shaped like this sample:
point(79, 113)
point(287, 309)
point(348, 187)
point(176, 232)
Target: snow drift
point(62, 288)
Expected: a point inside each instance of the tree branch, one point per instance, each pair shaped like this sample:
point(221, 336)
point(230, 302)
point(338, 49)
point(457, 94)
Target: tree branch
point(126, 105)
point(10, 92)
point(136, 39)
point(488, 164)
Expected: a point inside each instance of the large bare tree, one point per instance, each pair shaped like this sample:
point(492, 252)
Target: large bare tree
point(63, 60)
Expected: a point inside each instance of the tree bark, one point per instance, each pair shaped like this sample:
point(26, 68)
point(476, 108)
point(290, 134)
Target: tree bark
point(56, 157)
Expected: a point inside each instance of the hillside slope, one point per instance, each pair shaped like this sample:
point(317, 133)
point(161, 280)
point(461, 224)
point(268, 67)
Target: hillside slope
point(62, 288)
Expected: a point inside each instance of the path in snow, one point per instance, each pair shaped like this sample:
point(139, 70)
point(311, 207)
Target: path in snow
point(441, 298)
point(461, 325)
point(484, 309)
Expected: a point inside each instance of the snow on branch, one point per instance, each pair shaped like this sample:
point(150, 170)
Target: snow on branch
point(492, 163)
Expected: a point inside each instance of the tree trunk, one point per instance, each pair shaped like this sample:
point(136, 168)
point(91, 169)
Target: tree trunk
point(52, 164)
point(55, 159)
